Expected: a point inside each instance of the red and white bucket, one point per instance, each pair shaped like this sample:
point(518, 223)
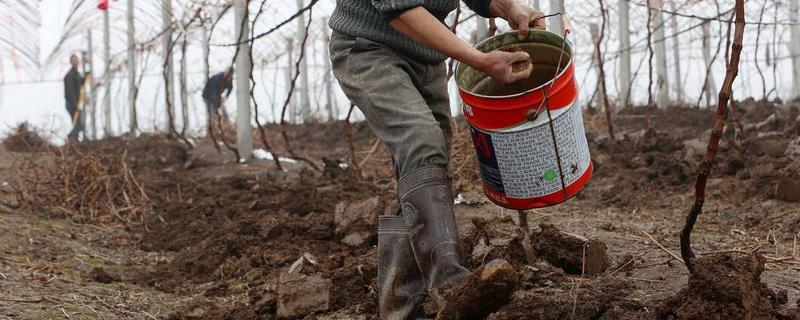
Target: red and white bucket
point(528, 136)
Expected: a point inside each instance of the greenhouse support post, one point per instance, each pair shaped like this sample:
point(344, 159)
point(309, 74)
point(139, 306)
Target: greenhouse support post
point(93, 93)
point(131, 70)
point(710, 88)
point(662, 82)
point(166, 24)
point(244, 132)
point(794, 5)
point(625, 54)
point(676, 57)
point(305, 107)
point(107, 75)
point(555, 24)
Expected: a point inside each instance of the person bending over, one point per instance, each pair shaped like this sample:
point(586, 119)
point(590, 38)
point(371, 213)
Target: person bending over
point(213, 90)
point(388, 57)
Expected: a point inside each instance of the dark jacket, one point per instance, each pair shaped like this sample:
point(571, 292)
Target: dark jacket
point(72, 86)
point(215, 86)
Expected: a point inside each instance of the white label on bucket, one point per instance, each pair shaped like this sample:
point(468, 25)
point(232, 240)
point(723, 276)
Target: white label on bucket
point(526, 158)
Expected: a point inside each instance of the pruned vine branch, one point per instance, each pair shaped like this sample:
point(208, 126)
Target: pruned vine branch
point(713, 143)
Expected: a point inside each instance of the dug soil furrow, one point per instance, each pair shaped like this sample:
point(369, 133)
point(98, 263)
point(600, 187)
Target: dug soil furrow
point(221, 240)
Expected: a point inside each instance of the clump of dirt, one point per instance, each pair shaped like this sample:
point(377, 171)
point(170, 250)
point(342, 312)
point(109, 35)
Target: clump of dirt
point(102, 276)
point(788, 188)
point(206, 309)
point(518, 66)
point(498, 238)
point(573, 253)
point(484, 291)
point(543, 69)
point(26, 139)
point(724, 286)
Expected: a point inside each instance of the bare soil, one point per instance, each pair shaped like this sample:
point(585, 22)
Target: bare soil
point(220, 237)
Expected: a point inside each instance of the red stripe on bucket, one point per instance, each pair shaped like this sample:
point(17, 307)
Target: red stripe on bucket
point(499, 198)
point(496, 113)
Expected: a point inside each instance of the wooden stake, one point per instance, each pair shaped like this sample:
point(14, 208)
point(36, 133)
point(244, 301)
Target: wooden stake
point(526, 237)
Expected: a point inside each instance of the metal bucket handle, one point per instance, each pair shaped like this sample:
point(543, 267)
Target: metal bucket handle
point(546, 105)
point(567, 31)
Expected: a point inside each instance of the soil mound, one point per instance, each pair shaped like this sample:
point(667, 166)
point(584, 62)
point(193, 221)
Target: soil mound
point(246, 241)
point(726, 287)
point(236, 235)
point(147, 152)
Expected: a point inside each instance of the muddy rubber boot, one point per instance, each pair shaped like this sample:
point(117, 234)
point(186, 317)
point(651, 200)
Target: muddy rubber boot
point(427, 206)
point(401, 289)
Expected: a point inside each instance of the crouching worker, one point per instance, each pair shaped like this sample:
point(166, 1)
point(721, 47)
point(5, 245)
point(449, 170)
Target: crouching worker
point(388, 56)
point(212, 94)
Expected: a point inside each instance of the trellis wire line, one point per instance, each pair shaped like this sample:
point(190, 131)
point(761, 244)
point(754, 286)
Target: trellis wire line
point(674, 13)
point(273, 29)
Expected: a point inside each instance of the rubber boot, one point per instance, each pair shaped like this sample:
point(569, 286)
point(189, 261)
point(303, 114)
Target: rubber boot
point(427, 205)
point(401, 289)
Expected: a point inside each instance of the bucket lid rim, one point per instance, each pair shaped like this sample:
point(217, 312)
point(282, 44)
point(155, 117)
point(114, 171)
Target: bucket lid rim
point(526, 92)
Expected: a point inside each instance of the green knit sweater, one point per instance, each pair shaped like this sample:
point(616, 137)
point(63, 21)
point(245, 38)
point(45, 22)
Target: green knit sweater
point(369, 19)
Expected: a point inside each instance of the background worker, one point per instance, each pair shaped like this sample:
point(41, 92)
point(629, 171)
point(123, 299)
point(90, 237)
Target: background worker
point(73, 81)
point(388, 58)
point(212, 92)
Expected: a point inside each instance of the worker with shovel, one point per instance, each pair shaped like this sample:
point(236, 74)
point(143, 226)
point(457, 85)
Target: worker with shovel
point(388, 56)
point(73, 84)
point(212, 94)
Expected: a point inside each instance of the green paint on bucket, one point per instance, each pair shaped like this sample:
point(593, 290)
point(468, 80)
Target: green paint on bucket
point(549, 175)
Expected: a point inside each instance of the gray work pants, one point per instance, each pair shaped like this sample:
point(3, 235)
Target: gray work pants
point(404, 101)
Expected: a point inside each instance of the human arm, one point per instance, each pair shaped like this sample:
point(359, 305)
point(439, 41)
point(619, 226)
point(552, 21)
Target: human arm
point(228, 88)
point(420, 25)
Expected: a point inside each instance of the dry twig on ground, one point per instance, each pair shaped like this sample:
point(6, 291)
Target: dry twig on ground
point(25, 139)
point(83, 187)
